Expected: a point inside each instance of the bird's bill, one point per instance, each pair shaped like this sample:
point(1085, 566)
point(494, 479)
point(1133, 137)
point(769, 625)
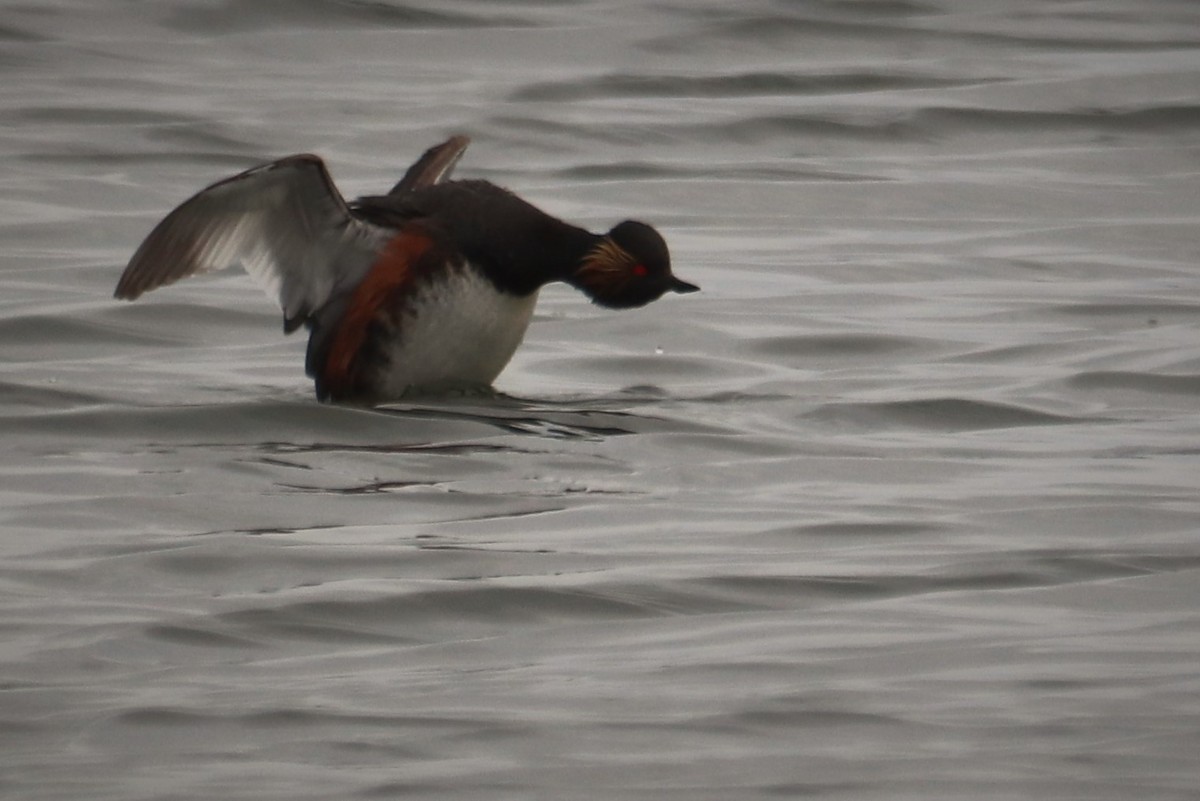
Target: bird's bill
point(681, 286)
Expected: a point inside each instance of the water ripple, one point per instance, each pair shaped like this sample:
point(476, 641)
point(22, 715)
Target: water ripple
point(232, 16)
point(939, 414)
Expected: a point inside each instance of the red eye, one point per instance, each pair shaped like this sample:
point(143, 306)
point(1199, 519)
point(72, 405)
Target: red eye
point(640, 270)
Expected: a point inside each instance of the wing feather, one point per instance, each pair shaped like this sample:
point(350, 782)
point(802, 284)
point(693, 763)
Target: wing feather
point(284, 222)
point(434, 166)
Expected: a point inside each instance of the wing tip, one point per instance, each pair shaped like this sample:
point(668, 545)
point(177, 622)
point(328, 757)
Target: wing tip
point(132, 283)
point(434, 165)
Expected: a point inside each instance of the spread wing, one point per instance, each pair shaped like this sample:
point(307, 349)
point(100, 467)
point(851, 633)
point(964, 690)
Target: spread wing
point(284, 222)
point(434, 166)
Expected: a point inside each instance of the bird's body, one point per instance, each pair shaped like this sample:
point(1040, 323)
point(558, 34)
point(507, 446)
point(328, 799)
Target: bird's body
point(427, 287)
point(453, 329)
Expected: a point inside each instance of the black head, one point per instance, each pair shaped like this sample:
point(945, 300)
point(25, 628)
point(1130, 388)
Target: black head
point(629, 267)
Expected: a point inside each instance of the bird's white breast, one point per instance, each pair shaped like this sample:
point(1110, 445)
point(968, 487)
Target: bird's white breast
point(458, 329)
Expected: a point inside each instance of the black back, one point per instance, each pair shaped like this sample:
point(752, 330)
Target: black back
point(519, 246)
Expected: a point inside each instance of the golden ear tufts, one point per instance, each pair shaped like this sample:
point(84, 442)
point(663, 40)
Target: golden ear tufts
point(607, 263)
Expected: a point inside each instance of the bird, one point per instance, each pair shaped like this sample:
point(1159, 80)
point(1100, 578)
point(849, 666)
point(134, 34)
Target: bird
point(427, 288)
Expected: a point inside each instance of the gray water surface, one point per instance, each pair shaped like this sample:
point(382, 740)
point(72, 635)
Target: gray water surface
point(903, 505)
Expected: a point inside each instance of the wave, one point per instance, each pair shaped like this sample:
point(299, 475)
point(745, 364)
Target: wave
point(422, 611)
point(939, 414)
point(233, 16)
point(737, 85)
point(899, 22)
point(650, 171)
point(817, 347)
point(1186, 384)
point(1164, 118)
point(1151, 310)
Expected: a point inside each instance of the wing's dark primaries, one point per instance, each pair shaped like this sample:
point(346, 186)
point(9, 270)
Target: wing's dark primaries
point(434, 166)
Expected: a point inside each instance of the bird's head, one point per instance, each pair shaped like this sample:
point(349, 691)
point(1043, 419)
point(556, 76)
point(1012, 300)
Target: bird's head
point(629, 267)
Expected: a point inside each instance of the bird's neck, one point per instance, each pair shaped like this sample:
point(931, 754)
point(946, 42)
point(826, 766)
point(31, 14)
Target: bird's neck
point(528, 260)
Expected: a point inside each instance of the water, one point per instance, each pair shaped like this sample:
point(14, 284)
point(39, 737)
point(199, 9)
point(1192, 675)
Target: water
point(903, 505)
